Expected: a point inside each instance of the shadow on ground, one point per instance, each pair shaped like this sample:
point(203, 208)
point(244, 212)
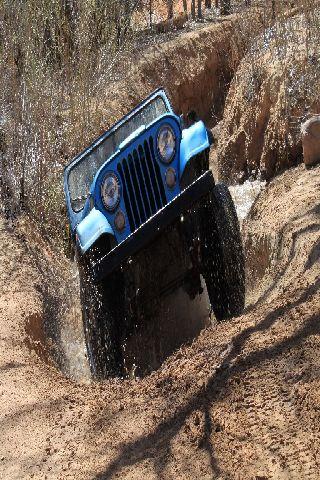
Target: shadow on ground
point(143, 448)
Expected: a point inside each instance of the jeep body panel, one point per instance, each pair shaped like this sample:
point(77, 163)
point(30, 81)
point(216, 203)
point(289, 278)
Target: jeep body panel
point(194, 141)
point(90, 229)
point(139, 146)
point(154, 225)
point(74, 216)
point(141, 173)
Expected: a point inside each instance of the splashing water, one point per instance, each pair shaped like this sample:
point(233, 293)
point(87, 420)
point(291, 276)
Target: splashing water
point(72, 342)
point(244, 195)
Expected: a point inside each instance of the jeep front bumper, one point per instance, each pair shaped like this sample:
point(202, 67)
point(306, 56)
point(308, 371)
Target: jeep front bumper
point(154, 226)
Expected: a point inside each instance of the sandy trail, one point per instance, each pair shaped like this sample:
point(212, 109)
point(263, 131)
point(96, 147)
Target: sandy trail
point(241, 402)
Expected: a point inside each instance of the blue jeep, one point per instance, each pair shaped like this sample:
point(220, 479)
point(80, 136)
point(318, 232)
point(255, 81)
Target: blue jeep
point(146, 218)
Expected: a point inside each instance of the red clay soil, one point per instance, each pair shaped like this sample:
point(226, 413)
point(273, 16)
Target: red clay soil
point(242, 402)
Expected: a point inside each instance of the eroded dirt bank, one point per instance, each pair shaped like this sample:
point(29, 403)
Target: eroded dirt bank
point(273, 92)
point(241, 402)
point(194, 68)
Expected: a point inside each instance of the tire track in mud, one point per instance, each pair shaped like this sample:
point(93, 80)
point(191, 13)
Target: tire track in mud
point(276, 429)
point(241, 403)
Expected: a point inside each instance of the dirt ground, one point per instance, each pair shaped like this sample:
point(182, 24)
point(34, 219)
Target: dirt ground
point(241, 402)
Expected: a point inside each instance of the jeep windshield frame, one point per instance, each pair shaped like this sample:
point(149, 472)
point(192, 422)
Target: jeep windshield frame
point(83, 168)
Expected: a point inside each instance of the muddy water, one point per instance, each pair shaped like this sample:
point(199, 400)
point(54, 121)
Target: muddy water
point(176, 321)
point(72, 341)
point(73, 355)
point(244, 195)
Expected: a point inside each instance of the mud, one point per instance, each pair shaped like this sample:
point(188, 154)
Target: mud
point(174, 319)
point(177, 321)
point(241, 402)
point(36, 339)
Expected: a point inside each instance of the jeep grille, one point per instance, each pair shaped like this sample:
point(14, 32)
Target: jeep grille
point(143, 189)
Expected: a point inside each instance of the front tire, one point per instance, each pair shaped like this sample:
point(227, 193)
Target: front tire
point(222, 254)
point(101, 323)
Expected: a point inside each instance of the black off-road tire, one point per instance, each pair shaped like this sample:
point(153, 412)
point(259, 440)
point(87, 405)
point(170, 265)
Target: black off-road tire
point(101, 323)
point(222, 254)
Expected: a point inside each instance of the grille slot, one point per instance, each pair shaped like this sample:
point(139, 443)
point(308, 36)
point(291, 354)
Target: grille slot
point(143, 189)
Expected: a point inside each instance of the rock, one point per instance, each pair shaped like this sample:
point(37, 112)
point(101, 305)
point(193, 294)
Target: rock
point(310, 131)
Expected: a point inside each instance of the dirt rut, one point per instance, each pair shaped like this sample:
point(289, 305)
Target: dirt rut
point(241, 402)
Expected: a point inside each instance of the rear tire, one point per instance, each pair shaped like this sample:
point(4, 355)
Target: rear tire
point(222, 254)
point(101, 323)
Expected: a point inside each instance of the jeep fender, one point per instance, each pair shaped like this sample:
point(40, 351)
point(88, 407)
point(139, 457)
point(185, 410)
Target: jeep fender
point(194, 141)
point(91, 228)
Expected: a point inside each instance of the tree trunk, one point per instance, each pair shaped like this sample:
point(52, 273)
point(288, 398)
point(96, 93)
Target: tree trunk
point(273, 6)
point(225, 8)
point(193, 9)
point(185, 6)
point(199, 8)
point(170, 9)
point(150, 13)
point(208, 3)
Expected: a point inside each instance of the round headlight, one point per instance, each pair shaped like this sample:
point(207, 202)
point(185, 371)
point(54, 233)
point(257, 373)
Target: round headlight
point(110, 191)
point(166, 143)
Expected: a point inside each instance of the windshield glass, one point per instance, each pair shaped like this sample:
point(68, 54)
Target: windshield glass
point(82, 174)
